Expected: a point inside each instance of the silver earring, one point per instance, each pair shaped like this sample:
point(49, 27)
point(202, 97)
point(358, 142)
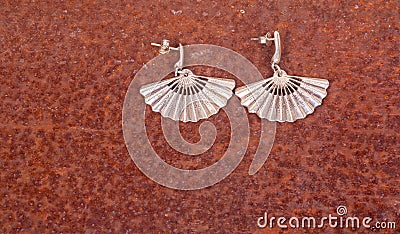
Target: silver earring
point(282, 98)
point(186, 97)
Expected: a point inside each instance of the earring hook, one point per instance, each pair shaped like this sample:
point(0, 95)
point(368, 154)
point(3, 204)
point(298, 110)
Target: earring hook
point(165, 48)
point(179, 65)
point(263, 40)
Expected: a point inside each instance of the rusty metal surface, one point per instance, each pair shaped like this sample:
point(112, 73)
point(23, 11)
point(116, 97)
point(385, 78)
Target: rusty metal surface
point(64, 70)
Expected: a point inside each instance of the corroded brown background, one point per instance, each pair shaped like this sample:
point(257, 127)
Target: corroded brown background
point(65, 67)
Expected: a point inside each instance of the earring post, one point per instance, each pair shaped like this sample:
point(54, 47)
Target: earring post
point(165, 48)
point(263, 39)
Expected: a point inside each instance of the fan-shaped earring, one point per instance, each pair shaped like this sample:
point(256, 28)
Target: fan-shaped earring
point(186, 97)
point(282, 97)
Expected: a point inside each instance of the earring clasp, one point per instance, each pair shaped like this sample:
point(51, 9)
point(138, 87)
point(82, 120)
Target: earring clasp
point(165, 48)
point(263, 40)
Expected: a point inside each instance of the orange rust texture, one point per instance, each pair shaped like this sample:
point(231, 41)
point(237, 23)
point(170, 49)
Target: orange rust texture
point(65, 68)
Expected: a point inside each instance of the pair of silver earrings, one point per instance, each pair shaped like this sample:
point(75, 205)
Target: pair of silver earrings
point(189, 98)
